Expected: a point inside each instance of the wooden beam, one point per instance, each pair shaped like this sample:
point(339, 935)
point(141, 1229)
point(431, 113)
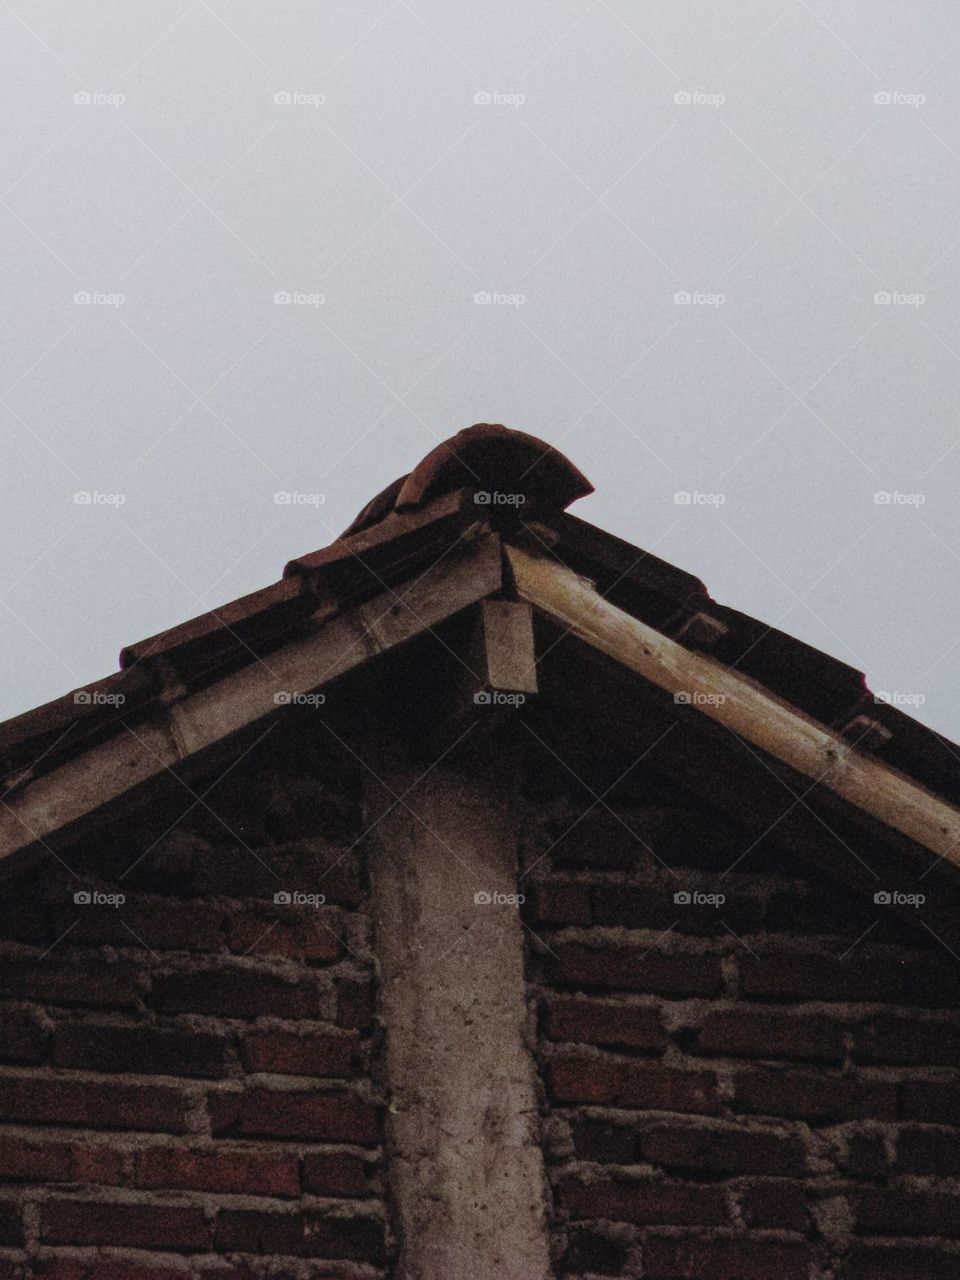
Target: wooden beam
point(617, 709)
point(739, 704)
point(503, 647)
point(68, 796)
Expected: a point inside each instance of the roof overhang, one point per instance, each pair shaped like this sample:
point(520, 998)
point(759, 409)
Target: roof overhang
point(739, 704)
point(182, 730)
point(746, 698)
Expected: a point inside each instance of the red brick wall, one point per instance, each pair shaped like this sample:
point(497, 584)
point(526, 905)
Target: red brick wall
point(186, 1080)
point(750, 1091)
point(191, 1086)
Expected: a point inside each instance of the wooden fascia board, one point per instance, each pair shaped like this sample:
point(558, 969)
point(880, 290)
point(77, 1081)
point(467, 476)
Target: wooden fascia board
point(74, 792)
point(740, 705)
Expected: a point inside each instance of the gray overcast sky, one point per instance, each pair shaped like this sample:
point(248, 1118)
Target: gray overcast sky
point(780, 164)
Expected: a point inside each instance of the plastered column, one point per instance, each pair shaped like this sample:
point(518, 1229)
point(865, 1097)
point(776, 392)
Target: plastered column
point(466, 1168)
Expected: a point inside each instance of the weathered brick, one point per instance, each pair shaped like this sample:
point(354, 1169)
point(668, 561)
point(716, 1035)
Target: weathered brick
point(313, 939)
point(600, 840)
point(935, 1151)
point(934, 1101)
point(260, 1232)
point(587, 1250)
point(109, 1269)
point(720, 1149)
point(736, 1258)
point(123, 1225)
point(264, 1233)
point(155, 926)
point(50, 982)
point(286, 1053)
point(642, 1201)
point(759, 1034)
point(312, 1115)
point(814, 1096)
point(866, 1156)
point(307, 866)
point(604, 1022)
point(28, 1160)
point(162, 866)
point(11, 1225)
point(885, 1262)
point(559, 902)
point(353, 1238)
point(226, 1169)
point(335, 1173)
point(24, 905)
point(789, 975)
point(633, 906)
point(646, 907)
point(604, 1143)
point(355, 1004)
point(635, 969)
point(816, 909)
point(903, 1213)
point(932, 982)
point(95, 1106)
point(775, 1205)
point(21, 1038)
point(911, 1040)
point(619, 1082)
point(139, 1049)
point(235, 993)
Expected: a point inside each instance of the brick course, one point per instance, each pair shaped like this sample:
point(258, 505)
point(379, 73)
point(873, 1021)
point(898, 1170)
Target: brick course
point(738, 1090)
point(190, 1073)
point(192, 1082)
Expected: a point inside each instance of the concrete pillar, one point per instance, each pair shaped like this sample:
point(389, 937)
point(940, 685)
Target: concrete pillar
point(466, 1167)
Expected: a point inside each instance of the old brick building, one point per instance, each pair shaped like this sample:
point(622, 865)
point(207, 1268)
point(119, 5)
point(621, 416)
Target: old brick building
point(480, 900)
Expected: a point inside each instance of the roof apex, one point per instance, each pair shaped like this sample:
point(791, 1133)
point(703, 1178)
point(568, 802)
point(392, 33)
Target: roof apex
point(490, 459)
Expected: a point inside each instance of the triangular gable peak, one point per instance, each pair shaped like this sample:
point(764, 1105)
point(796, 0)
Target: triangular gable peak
point(480, 524)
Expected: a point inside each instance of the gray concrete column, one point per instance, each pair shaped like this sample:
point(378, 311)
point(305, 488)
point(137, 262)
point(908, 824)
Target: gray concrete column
point(466, 1168)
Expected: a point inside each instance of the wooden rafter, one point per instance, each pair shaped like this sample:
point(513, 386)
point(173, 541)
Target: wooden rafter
point(200, 722)
point(737, 702)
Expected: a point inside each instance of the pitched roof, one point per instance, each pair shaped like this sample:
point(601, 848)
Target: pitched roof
point(430, 544)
